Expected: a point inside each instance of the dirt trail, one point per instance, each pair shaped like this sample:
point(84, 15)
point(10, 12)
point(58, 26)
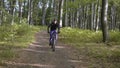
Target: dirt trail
point(40, 55)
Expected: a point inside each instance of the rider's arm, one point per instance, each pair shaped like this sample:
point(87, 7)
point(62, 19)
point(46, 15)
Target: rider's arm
point(58, 28)
point(48, 29)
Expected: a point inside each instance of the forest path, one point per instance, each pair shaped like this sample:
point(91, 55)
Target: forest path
point(40, 55)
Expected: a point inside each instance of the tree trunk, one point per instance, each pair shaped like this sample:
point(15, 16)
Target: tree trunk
point(104, 20)
point(113, 22)
point(98, 16)
point(1, 12)
point(82, 18)
point(0, 17)
point(84, 26)
point(12, 10)
point(66, 13)
point(50, 10)
point(44, 8)
point(20, 11)
point(28, 16)
point(92, 16)
point(77, 15)
point(24, 9)
point(87, 16)
point(30, 12)
point(55, 6)
point(95, 16)
point(61, 12)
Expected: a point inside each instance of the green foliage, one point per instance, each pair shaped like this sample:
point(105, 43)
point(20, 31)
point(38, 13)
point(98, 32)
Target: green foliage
point(15, 36)
point(114, 2)
point(115, 36)
point(6, 33)
point(7, 54)
point(88, 42)
point(80, 35)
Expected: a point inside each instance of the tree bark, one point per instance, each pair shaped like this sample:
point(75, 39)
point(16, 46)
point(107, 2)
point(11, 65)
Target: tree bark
point(1, 12)
point(44, 8)
point(98, 16)
point(13, 10)
point(95, 16)
point(113, 22)
point(104, 20)
point(30, 12)
point(92, 16)
point(61, 12)
point(20, 11)
point(66, 13)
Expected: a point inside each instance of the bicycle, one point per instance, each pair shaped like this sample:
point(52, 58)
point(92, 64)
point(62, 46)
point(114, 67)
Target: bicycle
point(53, 40)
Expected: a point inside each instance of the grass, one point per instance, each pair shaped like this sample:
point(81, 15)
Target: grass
point(80, 35)
point(90, 45)
point(13, 37)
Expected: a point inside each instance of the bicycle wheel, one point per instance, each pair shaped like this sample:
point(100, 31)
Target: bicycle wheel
point(53, 43)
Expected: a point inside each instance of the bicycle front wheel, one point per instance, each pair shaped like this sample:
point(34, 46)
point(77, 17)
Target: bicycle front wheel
point(53, 44)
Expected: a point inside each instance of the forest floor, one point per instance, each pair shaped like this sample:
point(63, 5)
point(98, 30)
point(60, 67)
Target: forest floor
point(40, 55)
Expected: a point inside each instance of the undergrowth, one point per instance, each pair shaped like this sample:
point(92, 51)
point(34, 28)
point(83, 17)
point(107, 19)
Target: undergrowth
point(15, 36)
point(90, 44)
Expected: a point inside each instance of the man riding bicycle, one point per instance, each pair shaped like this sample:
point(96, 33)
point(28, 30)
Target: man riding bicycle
point(52, 28)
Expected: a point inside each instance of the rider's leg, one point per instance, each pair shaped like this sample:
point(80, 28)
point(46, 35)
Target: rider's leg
point(51, 33)
point(50, 37)
point(56, 35)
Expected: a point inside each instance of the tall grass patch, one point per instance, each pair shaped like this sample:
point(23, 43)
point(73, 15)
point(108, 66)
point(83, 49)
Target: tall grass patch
point(115, 37)
point(77, 35)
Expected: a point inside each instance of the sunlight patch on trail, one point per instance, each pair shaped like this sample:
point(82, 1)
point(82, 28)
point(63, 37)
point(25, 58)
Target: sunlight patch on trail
point(37, 51)
point(37, 45)
point(75, 61)
point(59, 47)
point(30, 64)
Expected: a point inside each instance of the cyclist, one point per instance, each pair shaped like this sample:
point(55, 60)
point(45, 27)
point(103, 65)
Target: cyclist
point(53, 28)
